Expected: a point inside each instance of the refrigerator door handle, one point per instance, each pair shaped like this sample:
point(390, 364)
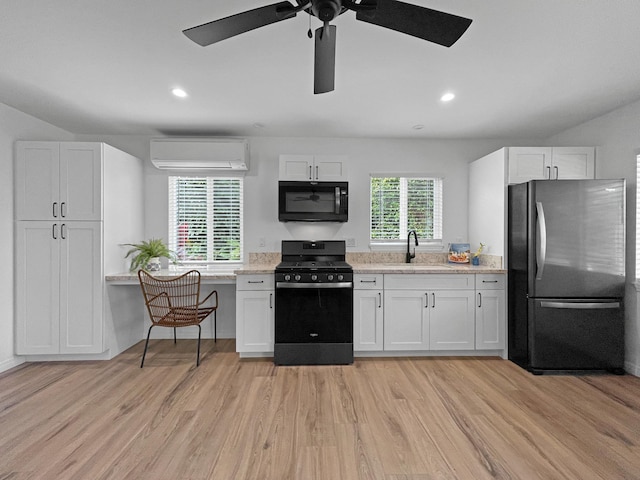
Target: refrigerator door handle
point(541, 254)
point(580, 306)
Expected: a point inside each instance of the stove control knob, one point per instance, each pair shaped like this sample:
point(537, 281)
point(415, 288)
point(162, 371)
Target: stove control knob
point(297, 278)
point(314, 277)
point(340, 278)
point(330, 277)
point(287, 277)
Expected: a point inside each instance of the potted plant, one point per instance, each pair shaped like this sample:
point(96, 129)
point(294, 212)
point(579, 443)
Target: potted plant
point(146, 255)
point(475, 260)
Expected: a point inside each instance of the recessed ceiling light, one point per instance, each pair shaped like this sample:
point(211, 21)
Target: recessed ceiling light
point(418, 127)
point(447, 97)
point(178, 92)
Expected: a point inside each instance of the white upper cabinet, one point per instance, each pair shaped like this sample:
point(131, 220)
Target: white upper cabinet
point(546, 163)
point(311, 168)
point(59, 181)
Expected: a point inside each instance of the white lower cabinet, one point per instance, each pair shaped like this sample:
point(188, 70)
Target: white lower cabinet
point(368, 313)
point(452, 320)
point(406, 320)
point(429, 312)
point(59, 287)
point(255, 308)
point(490, 312)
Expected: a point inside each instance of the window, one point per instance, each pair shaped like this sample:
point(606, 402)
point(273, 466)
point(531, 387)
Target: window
point(402, 204)
point(205, 219)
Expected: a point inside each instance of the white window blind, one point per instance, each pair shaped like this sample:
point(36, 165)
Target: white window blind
point(205, 219)
point(401, 204)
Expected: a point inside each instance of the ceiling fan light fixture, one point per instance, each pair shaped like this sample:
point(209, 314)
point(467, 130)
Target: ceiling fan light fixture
point(447, 97)
point(179, 92)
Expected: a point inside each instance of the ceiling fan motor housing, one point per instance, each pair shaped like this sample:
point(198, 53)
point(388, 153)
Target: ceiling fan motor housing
point(326, 10)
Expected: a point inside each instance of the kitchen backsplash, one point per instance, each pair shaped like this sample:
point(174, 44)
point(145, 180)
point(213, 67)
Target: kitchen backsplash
point(355, 258)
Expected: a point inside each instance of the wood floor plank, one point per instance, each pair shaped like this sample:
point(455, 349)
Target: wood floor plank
point(379, 419)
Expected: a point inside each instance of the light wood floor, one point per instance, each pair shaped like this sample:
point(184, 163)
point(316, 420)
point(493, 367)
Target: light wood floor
point(392, 419)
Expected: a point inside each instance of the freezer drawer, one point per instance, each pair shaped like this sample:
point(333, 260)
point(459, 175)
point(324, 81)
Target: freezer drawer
point(576, 334)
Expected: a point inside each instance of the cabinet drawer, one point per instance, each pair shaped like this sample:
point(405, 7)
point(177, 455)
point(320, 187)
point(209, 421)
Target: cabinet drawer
point(490, 281)
point(429, 281)
point(254, 282)
point(368, 282)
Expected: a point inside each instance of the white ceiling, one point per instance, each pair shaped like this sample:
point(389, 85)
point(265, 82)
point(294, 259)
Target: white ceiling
point(523, 69)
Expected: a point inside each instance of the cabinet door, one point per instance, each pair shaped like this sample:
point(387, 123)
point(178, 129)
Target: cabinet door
point(406, 320)
point(296, 167)
point(367, 321)
point(452, 320)
point(254, 321)
point(490, 319)
point(529, 163)
point(81, 328)
point(37, 180)
point(330, 168)
point(37, 287)
point(573, 163)
point(80, 181)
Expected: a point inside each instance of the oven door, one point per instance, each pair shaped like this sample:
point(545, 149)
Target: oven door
point(312, 201)
point(314, 313)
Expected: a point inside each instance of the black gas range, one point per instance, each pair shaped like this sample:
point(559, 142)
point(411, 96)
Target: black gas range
point(314, 304)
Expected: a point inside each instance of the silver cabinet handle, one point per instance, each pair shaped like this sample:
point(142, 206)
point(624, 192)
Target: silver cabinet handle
point(271, 300)
point(541, 253)
point(63, 229)
point(255, 281)
point(368, 281)
point(63, 213)
point(479, 299)
point(489, 281)
point(55, 209)
point(433, 296)
point(310, 177)
point(549, 173)
point(379, 300)
point(316, 172)
point(426, 300)
point(557, 172)
point(54, 231)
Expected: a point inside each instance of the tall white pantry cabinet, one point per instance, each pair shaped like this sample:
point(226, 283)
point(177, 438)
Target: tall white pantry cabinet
point(77, 203)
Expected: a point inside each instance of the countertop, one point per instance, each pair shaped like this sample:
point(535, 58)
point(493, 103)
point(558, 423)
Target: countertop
point(220, 275)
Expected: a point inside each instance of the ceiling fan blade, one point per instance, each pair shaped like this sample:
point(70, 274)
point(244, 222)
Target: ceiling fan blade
point(432, 25)
point(325, 60)
point(227, 27)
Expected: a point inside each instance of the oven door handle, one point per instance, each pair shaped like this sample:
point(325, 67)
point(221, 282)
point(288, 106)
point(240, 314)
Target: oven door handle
point(314, 285)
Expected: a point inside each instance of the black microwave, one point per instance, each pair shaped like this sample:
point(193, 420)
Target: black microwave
point(313, 201)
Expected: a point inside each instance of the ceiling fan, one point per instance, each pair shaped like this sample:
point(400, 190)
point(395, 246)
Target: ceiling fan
point(431, 25)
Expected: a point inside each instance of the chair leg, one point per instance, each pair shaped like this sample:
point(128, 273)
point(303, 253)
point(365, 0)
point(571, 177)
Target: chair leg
point(215, 326)
point(146, 344)
point(198, 355)
point(174, 335)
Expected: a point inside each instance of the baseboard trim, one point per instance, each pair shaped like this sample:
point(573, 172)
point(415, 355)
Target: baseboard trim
point(632, 369)
point(10, 363)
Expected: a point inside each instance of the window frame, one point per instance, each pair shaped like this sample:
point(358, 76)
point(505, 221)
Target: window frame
point(426, 244)
point(173, 230)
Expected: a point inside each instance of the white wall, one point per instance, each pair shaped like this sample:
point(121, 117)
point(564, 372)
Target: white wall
point(14, 125)
point(440, 157)
point(617, 136)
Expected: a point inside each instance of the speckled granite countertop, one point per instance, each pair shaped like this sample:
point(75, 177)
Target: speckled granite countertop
point(422, 268)
point(229, 275)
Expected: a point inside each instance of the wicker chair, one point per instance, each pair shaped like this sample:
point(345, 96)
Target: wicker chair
point(175, 302)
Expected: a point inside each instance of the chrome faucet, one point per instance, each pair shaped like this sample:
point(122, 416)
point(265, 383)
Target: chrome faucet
point(409, 254)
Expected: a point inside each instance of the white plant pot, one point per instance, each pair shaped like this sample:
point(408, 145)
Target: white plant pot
point(154, 264)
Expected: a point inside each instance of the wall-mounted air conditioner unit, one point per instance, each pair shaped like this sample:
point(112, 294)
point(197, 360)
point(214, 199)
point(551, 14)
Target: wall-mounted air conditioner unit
point(220, 154)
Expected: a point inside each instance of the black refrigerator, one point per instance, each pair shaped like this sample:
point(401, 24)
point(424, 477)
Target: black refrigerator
point(566, 266)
